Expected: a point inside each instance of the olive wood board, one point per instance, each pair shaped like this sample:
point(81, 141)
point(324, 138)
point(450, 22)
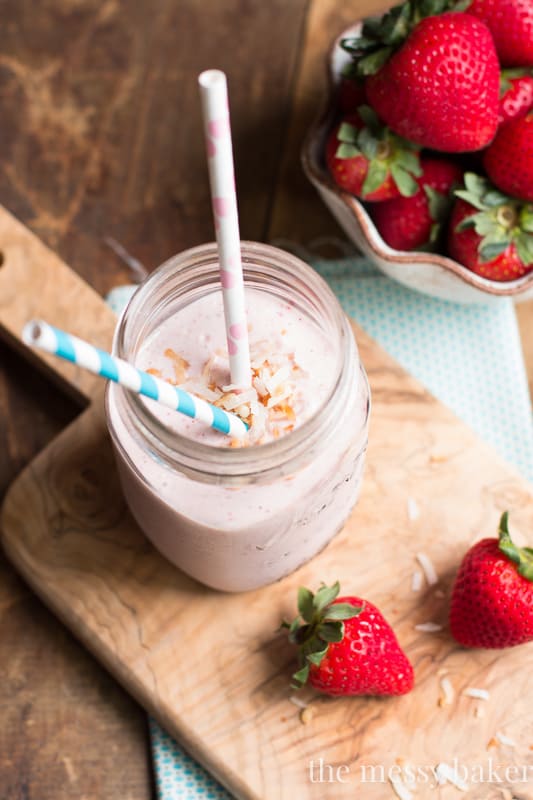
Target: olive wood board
point(213, 668)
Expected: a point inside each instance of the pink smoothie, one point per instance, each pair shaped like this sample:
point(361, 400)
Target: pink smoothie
point(235, 535)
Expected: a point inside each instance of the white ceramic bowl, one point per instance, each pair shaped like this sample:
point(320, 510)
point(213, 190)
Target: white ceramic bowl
point(430, 273)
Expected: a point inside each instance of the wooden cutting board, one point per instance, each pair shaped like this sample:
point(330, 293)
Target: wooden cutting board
point(212, 668)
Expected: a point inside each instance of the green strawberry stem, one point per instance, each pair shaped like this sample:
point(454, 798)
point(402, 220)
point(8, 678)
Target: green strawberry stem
point(521, 556)
point(323, 622)
point(384, 151)
point(499, 220)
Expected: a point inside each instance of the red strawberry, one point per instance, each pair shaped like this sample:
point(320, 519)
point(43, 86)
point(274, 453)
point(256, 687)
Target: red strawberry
point(491, 233)
point(435, 81)
point(509, 159)
point(351, 91)
point(346, 647)
point(366, 159)
point(492, 598)
point(411, 223)
point(511, 25)
point(516, 93)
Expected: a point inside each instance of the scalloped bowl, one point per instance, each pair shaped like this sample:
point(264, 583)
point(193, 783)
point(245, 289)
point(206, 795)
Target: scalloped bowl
point(430, 273)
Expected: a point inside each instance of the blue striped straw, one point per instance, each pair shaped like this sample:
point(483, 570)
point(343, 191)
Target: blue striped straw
point(40, 334)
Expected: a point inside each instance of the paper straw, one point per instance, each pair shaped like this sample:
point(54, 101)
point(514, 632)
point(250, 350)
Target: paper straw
point(214, 94)
point(44, 336)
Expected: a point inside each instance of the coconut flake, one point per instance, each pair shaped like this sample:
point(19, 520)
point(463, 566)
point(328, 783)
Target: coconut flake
point(416, 581)
point(448, 692)
point(201, 390)
point(428, 627)
point(429, 570)
point(276, 400)
point(447, 774)
point(503, 739)
point(296, 701)
point(413, 511)
point(479, 694)
point(400, 788)
point(279, 377)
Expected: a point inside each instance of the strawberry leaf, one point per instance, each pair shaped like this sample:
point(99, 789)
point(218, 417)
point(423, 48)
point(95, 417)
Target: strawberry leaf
point(475, 184)
point(484, 223)
point(347, 151)
point(301, 676)
point(367, 143)
point(341, 611)
point(325, 596)
point(524, 248)
point(526, 218)
point(375, 177)
point(396, 24)
point(369, 117)
point(331, 631)
point(350, 71)
point(438, 203)
point(369, 65)
point(317, 657)
point(405, 182)
point(471, 198)
point(491, 250)
point(431, 8)
point(347, 133)
point(434, 233)
point(408, 159)
point(494, 198)
point(305, 604)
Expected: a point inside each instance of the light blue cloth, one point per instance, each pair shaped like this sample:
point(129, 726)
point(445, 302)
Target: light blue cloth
point(470, 357)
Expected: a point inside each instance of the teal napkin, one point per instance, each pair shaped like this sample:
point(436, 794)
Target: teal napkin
point(470, 357)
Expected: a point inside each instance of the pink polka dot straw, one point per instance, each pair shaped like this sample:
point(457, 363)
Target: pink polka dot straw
point(214, 94)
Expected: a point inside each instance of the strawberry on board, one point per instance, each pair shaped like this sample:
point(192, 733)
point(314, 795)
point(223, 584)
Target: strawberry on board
point(490, 232)
point(509, 159)
point(432, 79)
point(516, 93)
point(415, 223)
point(346, 647)
point(511, 25)
point(368, 160)
point(492, 598)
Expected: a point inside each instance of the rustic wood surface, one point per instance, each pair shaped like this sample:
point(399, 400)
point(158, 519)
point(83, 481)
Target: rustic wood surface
point(98, 102)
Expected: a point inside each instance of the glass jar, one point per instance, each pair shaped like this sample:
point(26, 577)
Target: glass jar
point(236, 519)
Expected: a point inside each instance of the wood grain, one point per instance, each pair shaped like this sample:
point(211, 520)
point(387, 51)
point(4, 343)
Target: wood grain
point(35, 283)
point(99, 118)
point(212, 668)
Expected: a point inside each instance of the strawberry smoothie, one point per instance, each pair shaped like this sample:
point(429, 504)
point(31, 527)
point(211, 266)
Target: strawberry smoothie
point(237, 515)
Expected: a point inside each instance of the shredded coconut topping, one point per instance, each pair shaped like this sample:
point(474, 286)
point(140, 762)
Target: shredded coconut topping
point(429, 570)
point(400, 788)
point(479, 694)
point(447, 774)
point(448, 692)
point(428, 627)
point(503, 739)
point(271, 407)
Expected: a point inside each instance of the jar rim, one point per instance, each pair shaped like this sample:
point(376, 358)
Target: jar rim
point(188, 454)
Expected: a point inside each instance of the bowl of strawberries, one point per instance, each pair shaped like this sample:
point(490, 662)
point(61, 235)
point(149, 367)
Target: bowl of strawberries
point(424, 150)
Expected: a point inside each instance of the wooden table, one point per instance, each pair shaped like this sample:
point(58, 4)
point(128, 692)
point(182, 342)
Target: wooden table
point(100, 136)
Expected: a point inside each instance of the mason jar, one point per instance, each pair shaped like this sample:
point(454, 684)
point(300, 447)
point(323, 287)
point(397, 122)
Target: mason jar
point(238, 518)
